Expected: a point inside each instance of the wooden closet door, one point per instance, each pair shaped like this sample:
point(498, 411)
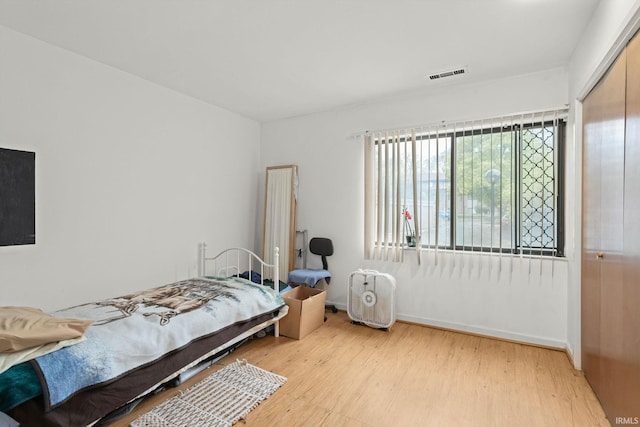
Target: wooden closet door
point(630, 389)
point(603, 195)
point(612, 239)
point(591, 214)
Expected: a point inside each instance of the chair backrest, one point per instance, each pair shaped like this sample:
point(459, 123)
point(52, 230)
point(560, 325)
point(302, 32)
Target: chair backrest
point(323, 247)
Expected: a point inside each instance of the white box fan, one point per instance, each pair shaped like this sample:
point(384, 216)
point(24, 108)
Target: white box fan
point(371, 298)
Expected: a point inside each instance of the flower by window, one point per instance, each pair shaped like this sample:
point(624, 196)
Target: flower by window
point(408, 229)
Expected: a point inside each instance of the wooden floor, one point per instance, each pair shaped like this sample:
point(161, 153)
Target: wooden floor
point(349, 375)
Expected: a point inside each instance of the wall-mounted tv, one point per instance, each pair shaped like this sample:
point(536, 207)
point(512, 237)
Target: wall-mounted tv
point(17, 197)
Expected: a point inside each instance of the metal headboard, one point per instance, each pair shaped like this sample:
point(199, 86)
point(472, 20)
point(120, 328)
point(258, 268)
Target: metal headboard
point(234, 261)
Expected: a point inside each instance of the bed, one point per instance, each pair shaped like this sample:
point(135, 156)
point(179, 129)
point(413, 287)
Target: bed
point(139, 343)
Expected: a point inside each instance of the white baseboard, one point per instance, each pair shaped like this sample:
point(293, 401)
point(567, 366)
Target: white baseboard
point(478, 330)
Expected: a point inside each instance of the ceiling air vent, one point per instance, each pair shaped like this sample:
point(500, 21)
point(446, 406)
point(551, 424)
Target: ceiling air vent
point(450, 73)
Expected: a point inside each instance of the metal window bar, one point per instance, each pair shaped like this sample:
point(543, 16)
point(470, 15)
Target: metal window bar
point(531, 248)
point(519, 181)
point(543, 198)
point(554, 246)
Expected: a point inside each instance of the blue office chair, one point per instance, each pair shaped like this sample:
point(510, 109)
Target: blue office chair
point(309, 277)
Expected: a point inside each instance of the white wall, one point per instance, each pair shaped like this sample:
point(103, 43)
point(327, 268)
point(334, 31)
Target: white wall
point(501, 297)
point(611, 26)
point(130, 177)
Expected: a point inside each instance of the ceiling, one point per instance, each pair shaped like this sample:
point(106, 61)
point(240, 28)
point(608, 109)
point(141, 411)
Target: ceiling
point(271, 59)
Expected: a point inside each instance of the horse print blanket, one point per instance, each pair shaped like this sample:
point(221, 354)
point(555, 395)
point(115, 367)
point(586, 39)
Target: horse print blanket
point(137, 329)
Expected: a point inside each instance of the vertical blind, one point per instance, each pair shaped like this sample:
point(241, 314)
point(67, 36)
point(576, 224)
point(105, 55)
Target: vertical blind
point(492, 185)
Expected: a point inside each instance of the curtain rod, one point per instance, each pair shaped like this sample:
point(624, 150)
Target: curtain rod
point(560, 112)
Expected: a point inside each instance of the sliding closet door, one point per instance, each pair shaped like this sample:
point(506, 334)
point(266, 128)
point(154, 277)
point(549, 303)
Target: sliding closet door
point(591, 231)
point(612, 237)
point(603, 195)
point(630, 389)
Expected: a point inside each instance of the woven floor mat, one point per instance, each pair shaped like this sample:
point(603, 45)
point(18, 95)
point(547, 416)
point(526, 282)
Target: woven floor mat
point(221, 399)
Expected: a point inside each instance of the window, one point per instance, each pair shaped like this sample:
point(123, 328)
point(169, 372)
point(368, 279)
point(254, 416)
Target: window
point(489, 186)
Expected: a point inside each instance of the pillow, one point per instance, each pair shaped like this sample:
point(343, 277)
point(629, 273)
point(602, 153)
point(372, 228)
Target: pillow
point(26, 327)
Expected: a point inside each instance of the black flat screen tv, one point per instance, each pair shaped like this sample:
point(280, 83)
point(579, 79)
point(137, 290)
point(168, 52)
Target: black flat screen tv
point(17, 197)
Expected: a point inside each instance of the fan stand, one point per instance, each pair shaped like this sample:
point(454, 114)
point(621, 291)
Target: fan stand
point(353, 322)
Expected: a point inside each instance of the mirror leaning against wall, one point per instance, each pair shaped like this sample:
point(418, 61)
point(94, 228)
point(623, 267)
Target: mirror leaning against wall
point(281, 188)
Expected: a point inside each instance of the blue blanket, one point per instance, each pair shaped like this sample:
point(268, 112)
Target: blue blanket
point(309, 277)
point(138, 329)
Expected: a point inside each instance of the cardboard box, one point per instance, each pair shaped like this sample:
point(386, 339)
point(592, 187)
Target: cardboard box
point(306, 311)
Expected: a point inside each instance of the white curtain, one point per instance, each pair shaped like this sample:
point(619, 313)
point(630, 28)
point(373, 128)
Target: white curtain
point(278, 216)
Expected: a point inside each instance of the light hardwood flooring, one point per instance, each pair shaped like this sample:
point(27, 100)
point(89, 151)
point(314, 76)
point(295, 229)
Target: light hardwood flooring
point(349, 375)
